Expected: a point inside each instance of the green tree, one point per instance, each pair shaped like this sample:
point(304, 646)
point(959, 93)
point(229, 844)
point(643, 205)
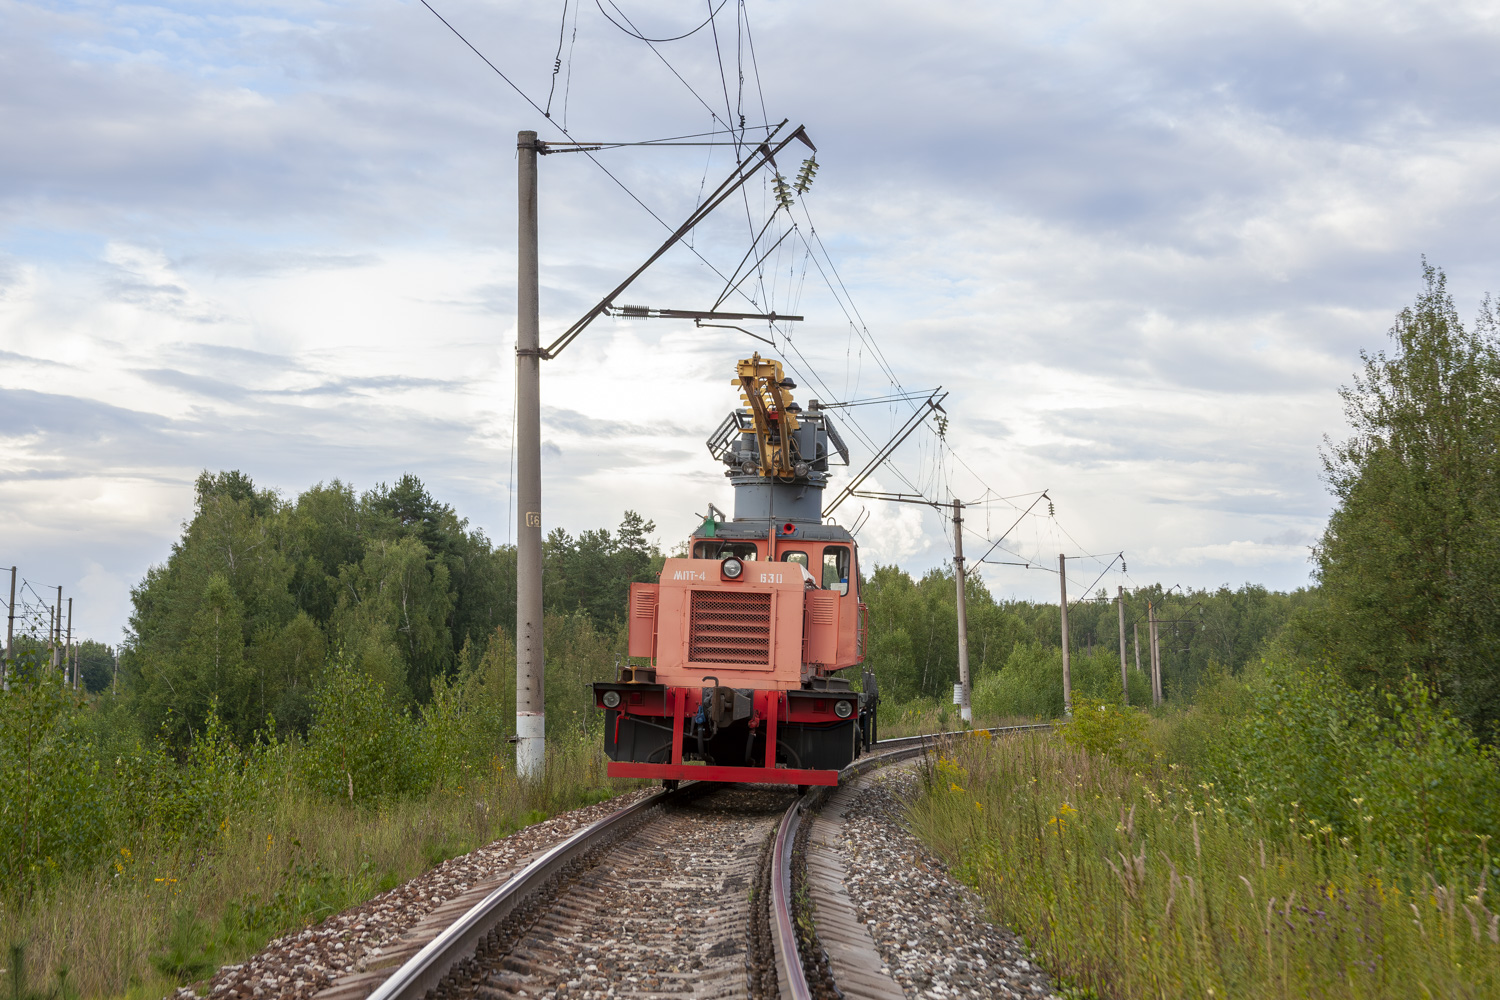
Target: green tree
point(208, 667)
point(96, 666)
point(1408, 561)
point(593, 572)
point(396, 597)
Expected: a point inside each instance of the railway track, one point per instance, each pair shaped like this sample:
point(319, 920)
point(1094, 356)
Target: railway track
point(705, 891)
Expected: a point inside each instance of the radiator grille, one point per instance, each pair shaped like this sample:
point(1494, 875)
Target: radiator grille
point(730, 627)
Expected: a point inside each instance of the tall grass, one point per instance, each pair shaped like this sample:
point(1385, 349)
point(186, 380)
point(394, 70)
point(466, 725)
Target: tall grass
point(922, 715)
point(133, 869)
point(1131, 880)
point(165, 911)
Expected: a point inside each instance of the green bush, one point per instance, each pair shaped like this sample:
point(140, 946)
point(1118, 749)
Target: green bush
point(1030, 682)
point(56, 812)
point(1295, 743)
point(1108, 730)
point(361, 746)
point(77, 784)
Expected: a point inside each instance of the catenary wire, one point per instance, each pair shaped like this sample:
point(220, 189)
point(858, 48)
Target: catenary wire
point(845, 300)
point(562, 31)
point(634, 32)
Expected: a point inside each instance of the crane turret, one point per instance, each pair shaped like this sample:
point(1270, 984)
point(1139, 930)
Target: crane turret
point(776, 451)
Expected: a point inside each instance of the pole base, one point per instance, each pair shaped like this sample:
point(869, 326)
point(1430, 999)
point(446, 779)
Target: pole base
point(531, 745)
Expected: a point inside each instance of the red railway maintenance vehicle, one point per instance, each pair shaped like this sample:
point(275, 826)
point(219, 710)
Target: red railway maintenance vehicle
point(736, 653)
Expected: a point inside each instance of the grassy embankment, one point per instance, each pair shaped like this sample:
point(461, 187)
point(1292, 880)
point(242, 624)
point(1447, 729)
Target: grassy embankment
point(164, 912)
point(923, 716)
point(1280, 839)
point(128, 867)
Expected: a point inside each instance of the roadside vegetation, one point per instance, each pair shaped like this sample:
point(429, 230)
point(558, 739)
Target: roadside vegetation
point(1308, 847)
point(1319, 820)
point(130, 869)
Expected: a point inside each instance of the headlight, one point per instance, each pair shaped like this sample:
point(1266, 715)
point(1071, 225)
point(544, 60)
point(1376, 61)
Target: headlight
point(843, 709)
point(611, 699)
point(732, 568)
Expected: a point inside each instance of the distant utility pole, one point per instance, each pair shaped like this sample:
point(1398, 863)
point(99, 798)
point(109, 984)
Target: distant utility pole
point(965, 711)
point(10, 635)
point(963, 690)
point(69, 663)
point(1062, 577)
point(531, 705)
point(1124, 677)
point(57, 632)
point(1135, 628)
point(1155, 656)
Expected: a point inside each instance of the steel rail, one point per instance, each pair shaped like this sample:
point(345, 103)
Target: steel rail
point(789, 972)
point(789, 966)
point(427, 968)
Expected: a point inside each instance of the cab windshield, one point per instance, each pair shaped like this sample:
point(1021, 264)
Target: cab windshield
point(717, 549)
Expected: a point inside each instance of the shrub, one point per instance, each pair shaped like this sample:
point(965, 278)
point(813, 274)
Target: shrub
point(360, 746)
point(1030, 682)
point(1110, 731)
point(1401, 773)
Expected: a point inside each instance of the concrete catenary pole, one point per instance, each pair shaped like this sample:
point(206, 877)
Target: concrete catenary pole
point(57, 663)
point(1062, 577)
point(964, 709)
point(531, 718)
point(1124, 677)
point(70, 664)
point(1135, 628)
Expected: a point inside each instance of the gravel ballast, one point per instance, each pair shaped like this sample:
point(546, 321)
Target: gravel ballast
point(929, 928)
point(298, 965)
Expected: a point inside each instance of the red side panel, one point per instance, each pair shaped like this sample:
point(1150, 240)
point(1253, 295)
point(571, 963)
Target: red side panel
point(643, 600)
point(822, 626)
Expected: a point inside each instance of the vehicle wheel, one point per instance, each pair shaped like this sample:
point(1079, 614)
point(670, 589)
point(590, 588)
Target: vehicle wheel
point(670, 784)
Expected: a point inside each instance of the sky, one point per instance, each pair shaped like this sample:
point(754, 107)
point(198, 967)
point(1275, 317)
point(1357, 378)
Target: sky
point(1140, 246)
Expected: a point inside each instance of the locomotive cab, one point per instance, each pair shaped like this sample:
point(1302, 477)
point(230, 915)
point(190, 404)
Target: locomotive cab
point(736, 652)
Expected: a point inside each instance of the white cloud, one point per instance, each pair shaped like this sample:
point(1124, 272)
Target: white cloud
point(1140, 245)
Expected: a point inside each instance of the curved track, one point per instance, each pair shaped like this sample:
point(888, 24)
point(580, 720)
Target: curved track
point(686, 892)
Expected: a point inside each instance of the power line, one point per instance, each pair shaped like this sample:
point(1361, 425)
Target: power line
point(665, 62)
point(845, 300)
point(536, 107)
point(586, 152)
point(634, 32)
point(754, 65)
point(562, 30)
point(568, 80)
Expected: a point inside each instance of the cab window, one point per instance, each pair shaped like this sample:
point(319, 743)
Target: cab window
point(836, 568)
point(796, 557)
point(713, 549)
